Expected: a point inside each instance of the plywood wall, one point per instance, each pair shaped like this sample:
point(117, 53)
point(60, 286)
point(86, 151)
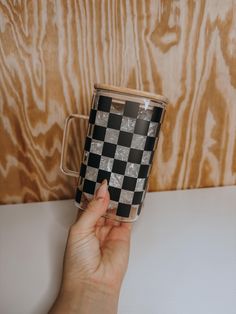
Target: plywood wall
point(52, 52)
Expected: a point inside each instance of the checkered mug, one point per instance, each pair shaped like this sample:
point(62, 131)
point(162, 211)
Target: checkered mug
point(122, 136)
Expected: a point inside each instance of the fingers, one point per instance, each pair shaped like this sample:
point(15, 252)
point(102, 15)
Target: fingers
point(116, 223)
point(112, 222)
point(92, 216)
point(96, 208)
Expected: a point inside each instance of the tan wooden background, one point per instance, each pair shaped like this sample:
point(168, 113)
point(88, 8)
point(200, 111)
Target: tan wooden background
point(52, 52)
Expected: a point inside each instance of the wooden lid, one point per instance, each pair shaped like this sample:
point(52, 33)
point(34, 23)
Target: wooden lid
point(133, 92)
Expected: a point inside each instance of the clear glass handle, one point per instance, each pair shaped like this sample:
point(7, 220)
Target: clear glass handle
point(63, 166)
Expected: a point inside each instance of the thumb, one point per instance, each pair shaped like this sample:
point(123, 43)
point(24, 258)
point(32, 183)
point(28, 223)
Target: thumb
point(95, 209)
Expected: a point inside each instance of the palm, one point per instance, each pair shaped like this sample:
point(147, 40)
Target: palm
point(114, 243)
point(103, 252)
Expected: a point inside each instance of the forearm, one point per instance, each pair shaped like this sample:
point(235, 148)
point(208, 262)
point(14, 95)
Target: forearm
point(87, 299)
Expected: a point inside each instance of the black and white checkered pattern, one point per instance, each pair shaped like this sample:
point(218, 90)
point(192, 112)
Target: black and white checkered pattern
point(119, 147)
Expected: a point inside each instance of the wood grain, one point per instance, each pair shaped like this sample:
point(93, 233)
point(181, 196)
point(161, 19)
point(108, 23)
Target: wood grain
point(51, 54)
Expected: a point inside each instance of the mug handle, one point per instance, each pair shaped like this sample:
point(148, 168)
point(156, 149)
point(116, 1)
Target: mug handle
point(63, 167)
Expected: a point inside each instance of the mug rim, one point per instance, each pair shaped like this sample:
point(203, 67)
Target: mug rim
point(132, 92)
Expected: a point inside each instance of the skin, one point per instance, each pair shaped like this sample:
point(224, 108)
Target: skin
point(95, 261)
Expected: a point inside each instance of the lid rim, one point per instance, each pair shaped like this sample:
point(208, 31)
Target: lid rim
point(130, 91)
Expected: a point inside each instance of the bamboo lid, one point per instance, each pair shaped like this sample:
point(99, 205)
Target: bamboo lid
point(133, 92)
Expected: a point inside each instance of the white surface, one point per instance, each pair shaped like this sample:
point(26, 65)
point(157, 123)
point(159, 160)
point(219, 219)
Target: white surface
point(183, 254)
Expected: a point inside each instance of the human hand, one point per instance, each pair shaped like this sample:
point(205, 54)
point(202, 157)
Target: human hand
point(95, 262)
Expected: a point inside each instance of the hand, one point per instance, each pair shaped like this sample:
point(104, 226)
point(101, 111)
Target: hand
point(95, 262)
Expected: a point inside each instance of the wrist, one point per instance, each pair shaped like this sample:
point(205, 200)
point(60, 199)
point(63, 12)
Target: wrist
point(86, 298)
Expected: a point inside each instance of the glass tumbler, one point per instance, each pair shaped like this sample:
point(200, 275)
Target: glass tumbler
point(122, 136)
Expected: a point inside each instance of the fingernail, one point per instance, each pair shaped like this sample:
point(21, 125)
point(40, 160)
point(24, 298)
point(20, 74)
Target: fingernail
point(102, 190)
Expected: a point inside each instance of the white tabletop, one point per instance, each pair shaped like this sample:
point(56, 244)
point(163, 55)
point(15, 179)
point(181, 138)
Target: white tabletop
point(183, 254)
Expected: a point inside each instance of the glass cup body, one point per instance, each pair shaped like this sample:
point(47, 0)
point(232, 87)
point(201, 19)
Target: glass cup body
point(121, 139)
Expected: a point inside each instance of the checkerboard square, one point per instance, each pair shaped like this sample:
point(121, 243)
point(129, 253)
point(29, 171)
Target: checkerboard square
point(109, 150)
point(106, 163)
point(92, 116)
point(112, 136)
point(127, 124)
point(132, 170)
point(141, 127)
point(123, 210)
point(82, 170)
point(104, 103)
point(116, 180)
point(126, 197)
point(137, 198)
point(91, 174)
point(150, 142)
point(101, 118)
point(122, 153)
point(135, 155)
point(114, 121)
point(114, 193)
point(138, 141)
point(78, 195)
point(129, 183)
point(145, 114)
point(125, 139)
point(87, 144)
point(143, 171)
point(156, 114)
point(140, 184)
point(146, 159)
point(153, 127)
point(96, 147)
point(99, 132)
point(102, 175)
point(117, 108)
point(89, 186)
point(94, 160)
point(131, 109)
point(119, 166)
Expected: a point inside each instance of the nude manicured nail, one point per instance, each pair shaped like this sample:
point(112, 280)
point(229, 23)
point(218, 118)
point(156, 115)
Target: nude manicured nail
point(102, 190)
